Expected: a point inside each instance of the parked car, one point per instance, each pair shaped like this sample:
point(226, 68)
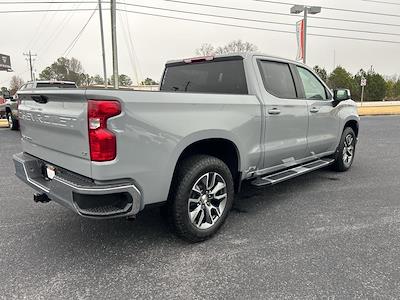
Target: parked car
point(2, 107)
point(11, 106)
point(216, 122)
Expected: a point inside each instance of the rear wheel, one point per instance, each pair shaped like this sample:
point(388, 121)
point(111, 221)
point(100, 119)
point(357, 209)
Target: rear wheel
point(346, 151)
point(12, 121)
point(201, 197)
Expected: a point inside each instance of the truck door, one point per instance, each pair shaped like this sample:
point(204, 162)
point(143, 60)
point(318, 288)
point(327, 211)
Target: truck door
point(286, 116)
point(324, 123)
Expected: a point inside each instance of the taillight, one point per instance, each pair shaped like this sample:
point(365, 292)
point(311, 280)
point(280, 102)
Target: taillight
point(102, 142)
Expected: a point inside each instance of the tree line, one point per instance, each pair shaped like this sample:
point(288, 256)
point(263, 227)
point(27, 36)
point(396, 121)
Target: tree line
point(378, 86)
point(65, 69)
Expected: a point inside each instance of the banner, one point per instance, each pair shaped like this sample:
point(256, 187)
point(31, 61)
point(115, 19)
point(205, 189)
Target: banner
point(300, 39)
point(5, 62)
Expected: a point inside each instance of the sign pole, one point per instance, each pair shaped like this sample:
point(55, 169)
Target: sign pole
point(363, 83)
point(362, 95)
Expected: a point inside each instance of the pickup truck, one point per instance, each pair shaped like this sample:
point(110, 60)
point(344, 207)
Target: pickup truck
point(11, 106)
point(216, 122)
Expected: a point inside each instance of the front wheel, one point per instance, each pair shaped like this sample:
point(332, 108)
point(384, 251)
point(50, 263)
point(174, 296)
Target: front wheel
point(346, 151)
point(201, 197)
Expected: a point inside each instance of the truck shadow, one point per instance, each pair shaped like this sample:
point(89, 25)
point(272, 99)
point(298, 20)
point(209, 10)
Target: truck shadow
point(151, 228)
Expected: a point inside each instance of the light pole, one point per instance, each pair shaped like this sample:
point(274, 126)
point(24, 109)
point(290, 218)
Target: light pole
point(297, 9)
point(114, 42)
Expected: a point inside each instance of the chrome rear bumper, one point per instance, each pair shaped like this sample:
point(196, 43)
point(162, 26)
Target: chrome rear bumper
point(83, 195)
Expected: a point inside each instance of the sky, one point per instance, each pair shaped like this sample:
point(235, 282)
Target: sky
point(146, 42)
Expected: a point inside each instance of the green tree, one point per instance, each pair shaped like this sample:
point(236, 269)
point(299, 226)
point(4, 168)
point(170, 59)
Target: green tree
point(396, 89)
point(390, 84)
point(86, 79)
point(340, 78)
point(124, 80)
point(321, 72)
point(64, 69)
point(97, 79)
point(376, 87)
point(148, 81)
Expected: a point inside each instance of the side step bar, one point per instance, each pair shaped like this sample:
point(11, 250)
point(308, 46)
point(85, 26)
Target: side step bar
point(293, 172)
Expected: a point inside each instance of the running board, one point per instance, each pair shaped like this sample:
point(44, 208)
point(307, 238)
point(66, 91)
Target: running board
point(293, 172)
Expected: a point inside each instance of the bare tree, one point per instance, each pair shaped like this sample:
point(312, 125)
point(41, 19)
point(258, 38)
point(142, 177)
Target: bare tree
point(205, 49)
point(232, 47)
point(236, 46)
point(15, 83)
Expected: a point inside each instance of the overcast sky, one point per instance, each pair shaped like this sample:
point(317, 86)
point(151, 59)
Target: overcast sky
point(157, 39)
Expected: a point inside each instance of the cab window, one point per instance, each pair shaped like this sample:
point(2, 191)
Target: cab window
point(278, 79)
point(313, 88)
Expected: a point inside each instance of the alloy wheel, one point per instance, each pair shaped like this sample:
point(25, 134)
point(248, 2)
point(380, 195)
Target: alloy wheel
point(207, 200)
point(348, 149)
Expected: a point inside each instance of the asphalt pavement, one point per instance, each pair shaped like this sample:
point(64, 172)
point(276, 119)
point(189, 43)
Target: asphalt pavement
point(324, 235)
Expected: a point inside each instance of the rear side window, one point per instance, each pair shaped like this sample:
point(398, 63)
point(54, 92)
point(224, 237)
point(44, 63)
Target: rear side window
point(55, 85)
point(219, 77)
point(278, 79)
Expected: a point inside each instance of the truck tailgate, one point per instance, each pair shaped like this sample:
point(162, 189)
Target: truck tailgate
point(54, 127)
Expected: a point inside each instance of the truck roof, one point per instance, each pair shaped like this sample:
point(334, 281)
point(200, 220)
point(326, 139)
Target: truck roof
point(244, 55)
point(52, 81)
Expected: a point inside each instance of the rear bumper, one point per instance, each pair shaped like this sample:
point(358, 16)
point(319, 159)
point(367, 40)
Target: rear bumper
point(83, 195)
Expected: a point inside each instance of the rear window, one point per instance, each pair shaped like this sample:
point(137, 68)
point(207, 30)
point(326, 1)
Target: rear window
point(55, 85)
point(219, 76)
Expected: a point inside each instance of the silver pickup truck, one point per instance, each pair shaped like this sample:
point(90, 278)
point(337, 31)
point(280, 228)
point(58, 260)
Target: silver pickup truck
point(215, 122)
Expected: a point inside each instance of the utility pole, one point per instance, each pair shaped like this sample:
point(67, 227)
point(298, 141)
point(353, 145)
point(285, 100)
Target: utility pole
point(114, 42)
point(297, 9)
point(29, 59)
point(102, 45)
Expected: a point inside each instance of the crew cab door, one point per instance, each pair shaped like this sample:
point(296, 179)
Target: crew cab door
point(286, 116)
point(324, 123)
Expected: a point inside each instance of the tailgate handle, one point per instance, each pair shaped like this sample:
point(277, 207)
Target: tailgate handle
point(40, 99)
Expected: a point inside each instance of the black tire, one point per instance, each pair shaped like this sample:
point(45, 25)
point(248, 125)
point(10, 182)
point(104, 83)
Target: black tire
point(189, 172)
point(13, 123)
point(341, 164)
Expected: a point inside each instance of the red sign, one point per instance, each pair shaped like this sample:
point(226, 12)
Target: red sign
point(300, 39)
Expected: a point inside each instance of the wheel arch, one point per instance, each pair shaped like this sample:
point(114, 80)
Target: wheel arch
point(353, 124)
point(221, 147)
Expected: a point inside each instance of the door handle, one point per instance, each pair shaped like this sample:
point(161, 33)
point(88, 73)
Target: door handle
point(314, 110)
point(274, 111)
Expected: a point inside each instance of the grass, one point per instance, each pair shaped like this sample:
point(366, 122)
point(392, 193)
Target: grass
point(379, 110)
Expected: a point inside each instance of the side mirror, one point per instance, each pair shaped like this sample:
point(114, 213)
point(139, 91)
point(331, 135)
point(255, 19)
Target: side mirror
point(341, 95)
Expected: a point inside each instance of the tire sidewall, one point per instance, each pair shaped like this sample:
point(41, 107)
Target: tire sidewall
point(339, 158)
point(180, 201)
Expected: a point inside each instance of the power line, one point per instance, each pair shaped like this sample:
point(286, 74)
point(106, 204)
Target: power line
point(56, 33)
point(260, 28)
point(46, 2)
point(280, 14)
point(45, 10)
point(214, 6)
point(336, 9)
point(380, 2)
point(71, 46)
point(257, 20)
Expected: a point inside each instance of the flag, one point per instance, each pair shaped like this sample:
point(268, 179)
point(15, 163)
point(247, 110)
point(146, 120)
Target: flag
point(300, 39)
